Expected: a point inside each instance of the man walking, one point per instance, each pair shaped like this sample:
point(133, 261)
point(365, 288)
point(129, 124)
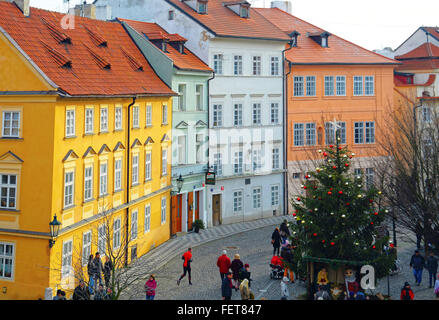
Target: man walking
point(432, 268)
point(98, 268)
point(417, 262)
point(223, 264)
point(187, 257)
point(226, 287)
point(108, 267)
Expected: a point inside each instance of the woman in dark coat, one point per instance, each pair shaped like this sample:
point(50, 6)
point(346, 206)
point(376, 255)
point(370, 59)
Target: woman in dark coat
point(275, 240)
point(236, 266)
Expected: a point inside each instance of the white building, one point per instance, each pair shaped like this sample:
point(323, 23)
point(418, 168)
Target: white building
point(246, 102)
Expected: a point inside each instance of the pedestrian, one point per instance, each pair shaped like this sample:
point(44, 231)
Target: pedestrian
point(236, 267)
point(223, 264)
point(98, 269)
point(284, 289)
point(436, 287)
point(287, 257)
point(431, 266)
point(150, 287)
point(187, 259)
point(246, 293)
point(101, 294)
point(245, 274)
point(108, 267)
point(321, 294)
point(58, 295)
point(275, 241)
point(284, 230)
point(418, 232)
point(417, 262)
point(109, 294)
point(81, 292)
point(226, 287)
point(63, 295)
point(90, 271)
point(407, 292)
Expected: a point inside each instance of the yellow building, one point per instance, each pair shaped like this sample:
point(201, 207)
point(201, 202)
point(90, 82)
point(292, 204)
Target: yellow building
point(86, 134)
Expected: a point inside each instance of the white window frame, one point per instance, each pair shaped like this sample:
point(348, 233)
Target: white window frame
point(134, 224)
point(67, 185)
point(369, 86)
point(88, 183)
point(256, 197)
point(118, 118)
point(274, 61)
point(116, 233)
point(89, 120)
point(163, 208)
point(257, 160)
point(358, 85)
point(218, 59)
point(340, 85)
point(329, 89)
point(299, 134)
point(218, 164)
point(148, 119)
point(275, 190)
point(199, 154)
point(217, 115)
point(237, 65)
point(136, 122)
point(310, 86)
point(182, 149)
point(182, 88)
point(310, 134)
point(102, 239)
point(147, 223)
point(237, 201)
point(103, 119)
point(359, 130)
point(274, 112)
point(199, 97)
point(369, 132)
point(237, 114)
point(135, 169)
point(164, 114)
point(164, 162)
point(148, 165)
point(103, 178)
point(67, 258)
point(86, 247)
point(275, 158)
point(4, 257)
point(8, 186)
point(257, 65)
point(256, 113)
point(298, 86)
point(70, 122)
point(11, 126)
point(118, 174)
point(238, 162)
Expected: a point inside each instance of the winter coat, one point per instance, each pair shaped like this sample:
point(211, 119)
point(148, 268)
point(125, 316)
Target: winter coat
point(223, 263)
point(236, 266)
point(101, 295)
point(150, 287)
point(187, 257)
point(431, 264)
point(108, 266)
point(81, 293)
point(244, 289)
point(284, 228)
point(286, 255)
point(226, 287)
point(407, 294)
point(417, 262)
point(98, 268)
point(91, 268)
point(246, 275)
point(276, 238)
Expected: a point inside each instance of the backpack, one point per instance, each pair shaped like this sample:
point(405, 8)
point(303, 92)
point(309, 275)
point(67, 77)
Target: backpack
point(406, 294)
point(241, 273)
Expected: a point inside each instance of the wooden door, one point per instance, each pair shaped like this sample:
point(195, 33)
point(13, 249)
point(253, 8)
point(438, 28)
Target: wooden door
point(190, 210)
point(216, 209)
point(197, 205)
point(176, 214)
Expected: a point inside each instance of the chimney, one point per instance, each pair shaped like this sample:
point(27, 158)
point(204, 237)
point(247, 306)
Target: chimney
point(103, 12)
point(23, 5)
point(84, 10)
point(284, 5)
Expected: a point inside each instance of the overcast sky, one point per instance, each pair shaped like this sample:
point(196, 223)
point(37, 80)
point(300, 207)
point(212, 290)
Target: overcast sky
point(373, 24)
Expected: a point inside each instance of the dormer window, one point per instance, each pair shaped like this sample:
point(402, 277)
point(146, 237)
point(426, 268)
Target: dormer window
point(244, 11)
point(294, 36)
point(241, 8)
point(202, 7)
point(320, 38)
point(324, 42)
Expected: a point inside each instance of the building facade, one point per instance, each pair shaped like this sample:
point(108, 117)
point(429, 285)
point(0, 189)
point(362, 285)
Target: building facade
point(80, 116)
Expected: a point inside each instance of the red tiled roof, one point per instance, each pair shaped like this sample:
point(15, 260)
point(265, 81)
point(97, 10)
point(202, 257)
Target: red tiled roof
point(95, 69)
point(339, 51)
point(187, 61)
point(433, 30)
point(423, 51)
point(430, 81)
point(222, 21)
point(418, 64)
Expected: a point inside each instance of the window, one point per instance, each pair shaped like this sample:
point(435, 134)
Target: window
point(147, 223)
point(135, 116)
point(310, 134)
point(257, 65)
point(217, 115)
point(329, 85)
point(86, 247)
point(257, 198)
point(69, 188)
point(237, 114)
point(181, 149)
point(330, 134)
point(7, 256)
point(218, 164)
point(182, 97)
point(298, 86)
point(275, 195)
point(163, 210)
point(237, 166)
point(149, 115)
point(134, 215)
point(148, 165)
point(118, 175)
point(89, 120)
point(369, 86)
point(102, 239)
point(66, 265)
point(257, 160)
point(164, 114)
point(171, 15)
point(274, 66)
point(369, 177)
point(358, 132)
point(218, 63)
point(237, 201)
point(104, 120)
point(135, 170)
point(275, 113)
point(8, 191)
point(426, 114)
point(237, 65)
point(276, 159)
point(11, 124)
point(340, 84)
point(199, 148)
point(116, 233)
point(256, 113)
point(118, 118)
point(103, 175)
point(88, 183)
point(358, 86)
point(164, 162)
point(310, 86)
point(70, 123)
point(202, 7)
point(244, 12)
point(199, 88)
point(298, 134)
point(370, 132)
point(357, 172)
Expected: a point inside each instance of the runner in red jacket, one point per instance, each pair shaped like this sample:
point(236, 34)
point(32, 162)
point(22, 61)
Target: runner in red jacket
point(223, 264)
point(187, 257)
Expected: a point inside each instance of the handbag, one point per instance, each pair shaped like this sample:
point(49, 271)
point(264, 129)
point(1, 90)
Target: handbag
point(272, 241)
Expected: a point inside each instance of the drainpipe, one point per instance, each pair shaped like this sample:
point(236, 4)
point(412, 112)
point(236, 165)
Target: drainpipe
point(128, 179)
point(208, 136)
point(285, 125)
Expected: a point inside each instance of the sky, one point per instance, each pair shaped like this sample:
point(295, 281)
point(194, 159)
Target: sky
point(372, 24)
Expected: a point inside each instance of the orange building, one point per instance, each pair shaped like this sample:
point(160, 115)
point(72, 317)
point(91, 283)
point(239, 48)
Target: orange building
point(328, 79)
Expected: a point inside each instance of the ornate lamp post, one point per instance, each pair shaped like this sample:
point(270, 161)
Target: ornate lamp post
point(54, 230)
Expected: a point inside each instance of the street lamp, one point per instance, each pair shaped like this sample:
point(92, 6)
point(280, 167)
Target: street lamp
point(180, 182)
point(54, 230)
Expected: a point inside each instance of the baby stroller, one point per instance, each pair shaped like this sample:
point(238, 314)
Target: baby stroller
point(276, 268)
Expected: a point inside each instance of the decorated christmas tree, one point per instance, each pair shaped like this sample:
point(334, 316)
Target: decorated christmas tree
point(339, 217)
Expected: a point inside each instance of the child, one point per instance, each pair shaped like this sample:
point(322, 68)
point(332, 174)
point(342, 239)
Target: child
point(284, 289)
